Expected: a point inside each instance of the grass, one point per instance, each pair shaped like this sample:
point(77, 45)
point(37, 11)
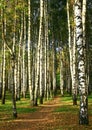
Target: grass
point(69, 114)
point(65, 116)
point(68, 107)
point(23, 106)
point(26, 110)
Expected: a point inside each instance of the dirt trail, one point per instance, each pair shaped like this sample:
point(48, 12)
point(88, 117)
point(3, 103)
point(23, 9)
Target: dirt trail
point(46, 119)
point(42, 119)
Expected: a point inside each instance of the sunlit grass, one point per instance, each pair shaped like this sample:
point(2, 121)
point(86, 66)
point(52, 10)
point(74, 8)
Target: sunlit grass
point(26, 110)
point(67, 108)
point(67, 105)
point(23, 106)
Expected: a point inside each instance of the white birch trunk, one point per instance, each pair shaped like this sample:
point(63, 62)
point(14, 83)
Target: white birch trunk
point(46, 90)
point(14, 51)
point(29, 49)
point(54, 69)
point(69, 37)
point(38, 54)
point(83, 115)
point(1, 76)
point(14, 67)
point(23, 62)
point(61, 75)
point(74, 74)
point(72, 54)
point(4, 60)
point(45, 55)
point(19, 60)
point(15, 79)
point(41, 73)
point(84, 39)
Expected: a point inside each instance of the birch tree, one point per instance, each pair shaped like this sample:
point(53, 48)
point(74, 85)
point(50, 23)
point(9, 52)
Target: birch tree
point(61, 74)
point(46, 57)
point(4, 50)
point(19, 59)
point(38, 55)
point(54, 67)
point(83, 114)
point(24, 75)
point(41, 78)
point(1, 76)
point(84, 4)
point(13, 64)
point(72, 48)
point(29, 50)
point(13, 85)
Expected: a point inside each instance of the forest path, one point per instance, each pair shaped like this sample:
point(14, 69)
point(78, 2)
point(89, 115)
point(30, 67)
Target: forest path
point(45, 118)
point(42, 119)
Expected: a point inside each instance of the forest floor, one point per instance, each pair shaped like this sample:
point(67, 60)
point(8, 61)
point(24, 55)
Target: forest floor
point(47, 117)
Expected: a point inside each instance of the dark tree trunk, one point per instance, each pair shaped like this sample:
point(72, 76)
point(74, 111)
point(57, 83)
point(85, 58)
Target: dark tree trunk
point(74, 99)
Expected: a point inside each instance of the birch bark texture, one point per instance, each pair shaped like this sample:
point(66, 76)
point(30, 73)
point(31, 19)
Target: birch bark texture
point(83, 114)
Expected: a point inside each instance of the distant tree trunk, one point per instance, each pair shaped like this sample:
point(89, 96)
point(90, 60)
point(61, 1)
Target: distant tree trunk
point(41, 78)
point(84, 4)
point(1, 78)
point(15, 78)
point(23, 84)
point(13, 86)
point(61, 75)
point(74, 74)
point(34, 61)
point(29, 50)
point(45, 49)
point(3, 82)
point(72, 52)
point(4, 60)
point(1, 61)
point(69, 37)
point(14, 50)
point(83, 114)
point(38, 54)
point(13, 63)
point(33, 72)
point(41, 81)
point(19, 60)
point(54, 67)
point(69, 84)
point(46, 57)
